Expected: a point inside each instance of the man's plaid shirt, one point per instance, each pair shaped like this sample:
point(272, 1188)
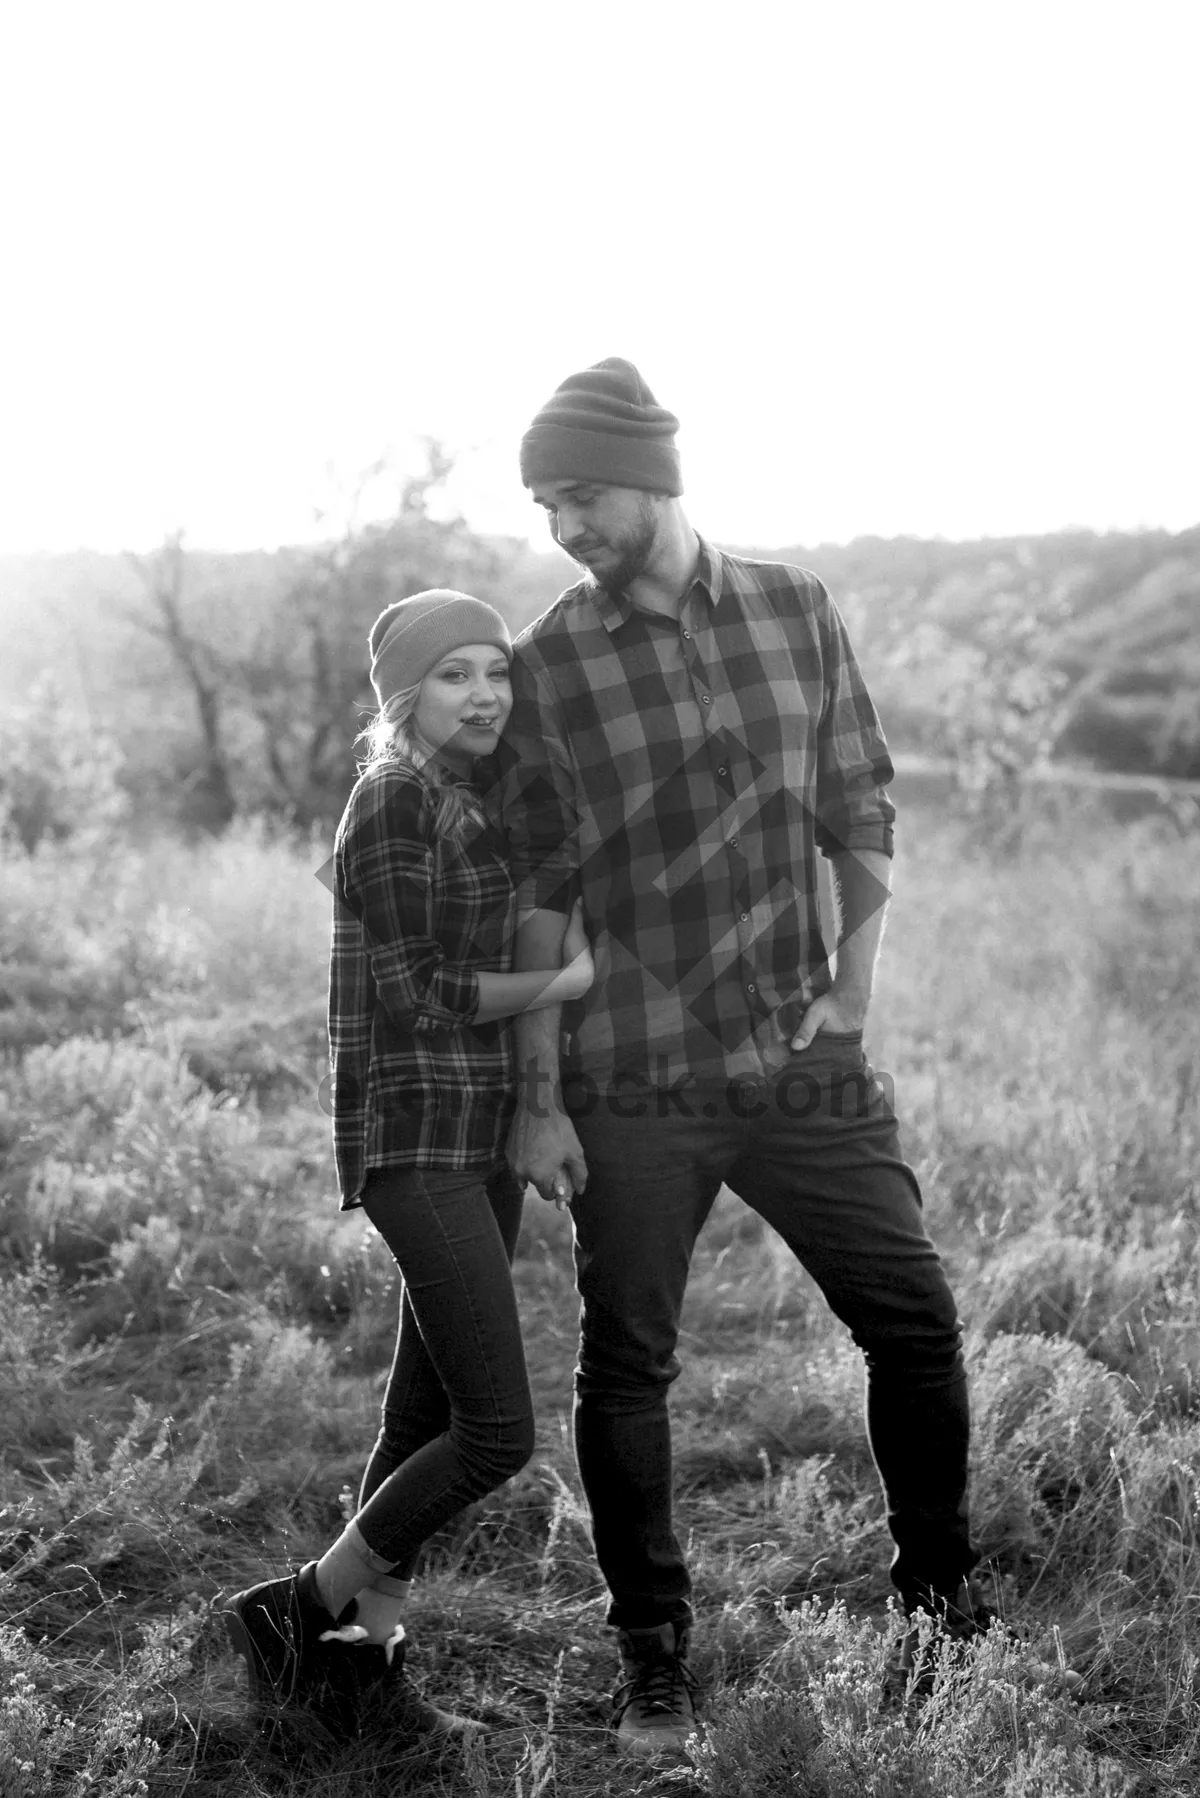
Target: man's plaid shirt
point(682, 775)
point(414, 1082)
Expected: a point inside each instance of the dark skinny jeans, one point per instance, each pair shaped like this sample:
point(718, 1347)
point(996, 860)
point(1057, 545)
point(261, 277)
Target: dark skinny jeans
point(457, 1412)
point(816, 1153)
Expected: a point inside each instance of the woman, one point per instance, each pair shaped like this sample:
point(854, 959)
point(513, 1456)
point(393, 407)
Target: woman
point(423, 1090)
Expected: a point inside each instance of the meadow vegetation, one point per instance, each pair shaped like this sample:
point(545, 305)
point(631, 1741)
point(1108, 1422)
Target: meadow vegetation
point(193, 1342)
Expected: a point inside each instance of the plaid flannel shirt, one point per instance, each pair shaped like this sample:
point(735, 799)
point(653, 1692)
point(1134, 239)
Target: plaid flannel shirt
point(414, 1082)
point(682, 775)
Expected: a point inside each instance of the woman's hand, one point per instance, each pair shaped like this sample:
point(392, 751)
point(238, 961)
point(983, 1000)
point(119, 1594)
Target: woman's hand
point(575, 942)
point(578, 966)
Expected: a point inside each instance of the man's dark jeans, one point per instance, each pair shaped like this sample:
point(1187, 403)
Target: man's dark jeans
point(457, 1412)
point(816, 1153)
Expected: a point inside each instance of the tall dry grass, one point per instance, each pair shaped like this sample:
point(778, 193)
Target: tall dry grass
point(192, 1343)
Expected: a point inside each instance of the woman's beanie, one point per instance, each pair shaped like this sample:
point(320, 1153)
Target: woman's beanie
point(411, 636)
point(604, 425)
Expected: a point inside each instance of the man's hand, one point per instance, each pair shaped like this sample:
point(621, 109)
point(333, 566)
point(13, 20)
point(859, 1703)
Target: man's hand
point(546, 1151)
point(862, 880)
point(832, 1011)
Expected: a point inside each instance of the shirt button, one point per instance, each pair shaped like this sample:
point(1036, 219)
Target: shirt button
point(733, 842)
point(706, 699)
point(687, 636)
point(750, 987)
point(745, 915)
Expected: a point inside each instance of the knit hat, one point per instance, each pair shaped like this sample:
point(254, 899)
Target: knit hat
point(411, 636)
point(604, 425)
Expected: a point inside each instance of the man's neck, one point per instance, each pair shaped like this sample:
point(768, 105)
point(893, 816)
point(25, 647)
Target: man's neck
point(663, 586)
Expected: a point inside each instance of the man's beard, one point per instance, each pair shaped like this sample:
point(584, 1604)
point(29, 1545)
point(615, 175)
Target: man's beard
point(633, 552)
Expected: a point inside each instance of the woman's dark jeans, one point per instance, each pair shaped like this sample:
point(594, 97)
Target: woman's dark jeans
point(457, 1413)
point(816, 1153)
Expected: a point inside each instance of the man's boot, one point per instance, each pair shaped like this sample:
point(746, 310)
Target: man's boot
point(655, 1703)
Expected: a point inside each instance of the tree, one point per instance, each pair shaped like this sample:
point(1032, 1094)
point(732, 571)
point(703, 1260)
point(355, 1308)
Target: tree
point(272, 648)
point(998, 700)
point(211, 800)
point(305, 678)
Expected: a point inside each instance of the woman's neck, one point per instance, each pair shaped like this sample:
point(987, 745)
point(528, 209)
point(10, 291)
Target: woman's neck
point(445, 760)
point(451, 766)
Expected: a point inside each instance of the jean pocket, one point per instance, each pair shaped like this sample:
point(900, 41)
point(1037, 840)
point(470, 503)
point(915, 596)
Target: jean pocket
point(834, 1048)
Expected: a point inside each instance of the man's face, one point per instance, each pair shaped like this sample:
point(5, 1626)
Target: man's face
point(610, 531)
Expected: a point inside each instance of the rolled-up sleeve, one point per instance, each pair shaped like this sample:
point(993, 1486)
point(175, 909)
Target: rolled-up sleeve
point(385, 876)
point(537, 796)
point(854, 810)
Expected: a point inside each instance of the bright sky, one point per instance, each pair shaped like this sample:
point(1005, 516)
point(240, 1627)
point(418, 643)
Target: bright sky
point(922, 267)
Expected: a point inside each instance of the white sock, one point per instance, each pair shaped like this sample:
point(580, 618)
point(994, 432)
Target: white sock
point(377, 1616)
point(381, 1611)
point(346, 1567)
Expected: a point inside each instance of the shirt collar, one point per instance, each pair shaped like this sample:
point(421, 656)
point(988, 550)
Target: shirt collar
point(469, 783)
point(613, 609)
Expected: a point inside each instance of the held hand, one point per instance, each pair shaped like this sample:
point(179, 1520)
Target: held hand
point(832, 1011)
point(547, 1152)
point(570, 1179)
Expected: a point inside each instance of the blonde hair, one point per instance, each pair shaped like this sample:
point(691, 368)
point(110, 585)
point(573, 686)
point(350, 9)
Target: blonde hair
point(390, 737)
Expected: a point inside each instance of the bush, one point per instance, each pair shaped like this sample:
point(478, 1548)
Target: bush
point(814, 1722)
point(118, 1137)
point(1051, 1432)
point(40, 1372)
point(55, 780)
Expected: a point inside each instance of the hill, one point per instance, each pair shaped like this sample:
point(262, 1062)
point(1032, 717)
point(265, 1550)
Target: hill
point(1114, 618)
point(1118, 615)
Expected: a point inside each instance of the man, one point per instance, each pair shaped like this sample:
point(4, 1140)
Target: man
point(688, 729)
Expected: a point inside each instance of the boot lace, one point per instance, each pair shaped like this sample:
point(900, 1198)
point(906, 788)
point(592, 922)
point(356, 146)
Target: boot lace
point(665, 1686)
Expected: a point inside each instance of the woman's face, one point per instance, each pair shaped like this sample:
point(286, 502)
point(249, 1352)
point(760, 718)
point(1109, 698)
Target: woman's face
point(464, 704)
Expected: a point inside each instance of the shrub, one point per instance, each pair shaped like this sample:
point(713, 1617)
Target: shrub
point(282, 1396)
point(116, 1133)
point(1051, 1430)
point(55, 781)
point(1051, 1282)
point(814, 1722)
point(40, 1373)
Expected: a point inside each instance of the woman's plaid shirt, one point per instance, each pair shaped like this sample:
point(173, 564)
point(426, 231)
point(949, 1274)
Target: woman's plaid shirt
point(414, 1082)
point(684, 774)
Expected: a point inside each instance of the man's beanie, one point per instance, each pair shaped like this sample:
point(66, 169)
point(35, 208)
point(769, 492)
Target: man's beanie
point(411, 636)
point(604, 425)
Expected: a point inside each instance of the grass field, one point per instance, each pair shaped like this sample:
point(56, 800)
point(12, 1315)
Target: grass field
point(192, 1344)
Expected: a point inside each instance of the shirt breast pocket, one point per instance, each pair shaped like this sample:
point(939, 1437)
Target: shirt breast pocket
point(785, 725)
